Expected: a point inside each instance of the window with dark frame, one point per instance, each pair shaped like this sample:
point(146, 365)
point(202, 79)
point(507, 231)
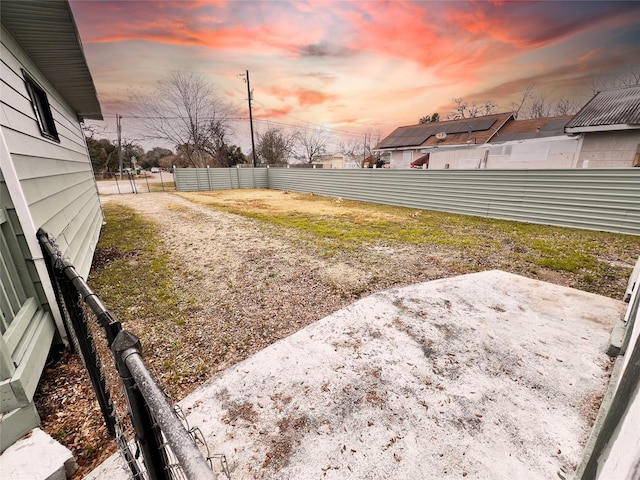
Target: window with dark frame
point(41, 108)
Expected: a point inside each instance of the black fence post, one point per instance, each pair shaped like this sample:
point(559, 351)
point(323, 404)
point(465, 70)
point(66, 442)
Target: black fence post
point(147, 433)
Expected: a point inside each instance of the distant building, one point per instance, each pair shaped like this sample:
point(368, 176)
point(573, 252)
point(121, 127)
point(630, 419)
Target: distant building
point(340, 160)
point(406, 144)
point(604, 134)
point(610, 127)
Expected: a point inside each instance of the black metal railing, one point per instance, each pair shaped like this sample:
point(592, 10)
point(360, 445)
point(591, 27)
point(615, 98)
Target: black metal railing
point(136, 411)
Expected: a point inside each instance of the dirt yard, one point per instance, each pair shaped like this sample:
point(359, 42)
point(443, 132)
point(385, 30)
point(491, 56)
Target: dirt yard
point(252, 283)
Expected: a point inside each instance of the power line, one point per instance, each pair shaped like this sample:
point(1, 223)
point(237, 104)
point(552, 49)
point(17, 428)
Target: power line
point(317, 128)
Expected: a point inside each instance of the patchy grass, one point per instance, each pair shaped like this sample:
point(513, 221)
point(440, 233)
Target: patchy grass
point(593, 259)
point(158, 187)
point(135, 266)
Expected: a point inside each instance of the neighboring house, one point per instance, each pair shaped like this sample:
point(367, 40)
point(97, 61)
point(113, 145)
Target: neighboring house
point(604, 134)
point(406, 144)
point(46, 181)
point(519, 144)
point(340, 160)
point(533, 143)
point(610, 127)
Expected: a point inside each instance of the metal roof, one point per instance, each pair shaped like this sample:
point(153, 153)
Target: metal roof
point(47, 32)
point(609, 110)
point(461, 131)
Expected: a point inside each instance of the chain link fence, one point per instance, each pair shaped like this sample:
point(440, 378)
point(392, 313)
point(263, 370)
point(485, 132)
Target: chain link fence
point(153, 436)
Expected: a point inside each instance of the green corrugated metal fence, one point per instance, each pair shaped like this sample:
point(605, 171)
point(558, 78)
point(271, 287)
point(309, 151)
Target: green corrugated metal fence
point(595, 199)
point(202, 179)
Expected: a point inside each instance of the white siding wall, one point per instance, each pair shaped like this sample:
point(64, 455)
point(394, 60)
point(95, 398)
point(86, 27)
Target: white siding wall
point(463, 158)
point(403, 158)
point(56, 178)
point(556, 152)
point(609, 149)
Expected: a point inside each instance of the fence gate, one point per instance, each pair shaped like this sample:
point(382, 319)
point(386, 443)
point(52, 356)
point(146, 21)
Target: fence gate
point(26, 333)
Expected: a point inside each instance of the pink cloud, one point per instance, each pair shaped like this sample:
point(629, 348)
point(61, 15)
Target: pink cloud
point(356, 59)
point(262, 112)
point(303, 97)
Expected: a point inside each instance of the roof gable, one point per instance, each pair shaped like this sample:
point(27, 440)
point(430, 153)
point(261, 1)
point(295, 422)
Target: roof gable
point(47, 32)
point(617, 109)
point(455, 132)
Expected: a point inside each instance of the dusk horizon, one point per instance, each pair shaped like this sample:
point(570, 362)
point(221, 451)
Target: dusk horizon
point(359, 66)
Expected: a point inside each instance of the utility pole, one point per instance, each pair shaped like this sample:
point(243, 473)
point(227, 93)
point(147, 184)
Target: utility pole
point(119, 130)
point(364, 149)
point(249, 94)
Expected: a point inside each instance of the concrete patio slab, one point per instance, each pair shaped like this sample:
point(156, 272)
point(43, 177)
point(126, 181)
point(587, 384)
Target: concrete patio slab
point(37, 456)
point(486, 376)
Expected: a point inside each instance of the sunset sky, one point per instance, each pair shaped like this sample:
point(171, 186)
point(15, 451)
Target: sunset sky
point(356, 66)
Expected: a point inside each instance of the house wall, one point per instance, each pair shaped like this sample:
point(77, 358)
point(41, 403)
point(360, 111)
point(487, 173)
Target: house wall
point(334, 162)
point(456, 158)
point(556, 152)
point(615, 149)
point(403, 158)
point(56, 178)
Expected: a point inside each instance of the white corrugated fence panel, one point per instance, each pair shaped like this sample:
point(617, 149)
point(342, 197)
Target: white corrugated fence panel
point(595, 199)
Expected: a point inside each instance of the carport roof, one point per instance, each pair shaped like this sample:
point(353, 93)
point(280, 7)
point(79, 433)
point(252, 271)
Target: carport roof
point(47, 32)
point(617, 109)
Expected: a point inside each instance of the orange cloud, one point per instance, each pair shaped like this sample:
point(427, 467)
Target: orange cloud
point(590, 55)
point(304, 97)
point(261, 112)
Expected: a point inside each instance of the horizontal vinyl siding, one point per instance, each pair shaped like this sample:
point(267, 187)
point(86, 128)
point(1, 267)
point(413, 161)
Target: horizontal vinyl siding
point(56, 178)
point(19, 106)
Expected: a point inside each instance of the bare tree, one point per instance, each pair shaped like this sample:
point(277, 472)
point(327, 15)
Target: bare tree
point(567, 107)
point(630, 76)
point(598, 83)
point(461, 109)
point(184, 110)
point(274, 147)
point(488, 107)
point(92, 130)
point(312, 143)
point(539, 106)
point(371, 139)
point(352, 148)
point(536, 103)
point(465, 109)
point(516, 107)
point(627, 77)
